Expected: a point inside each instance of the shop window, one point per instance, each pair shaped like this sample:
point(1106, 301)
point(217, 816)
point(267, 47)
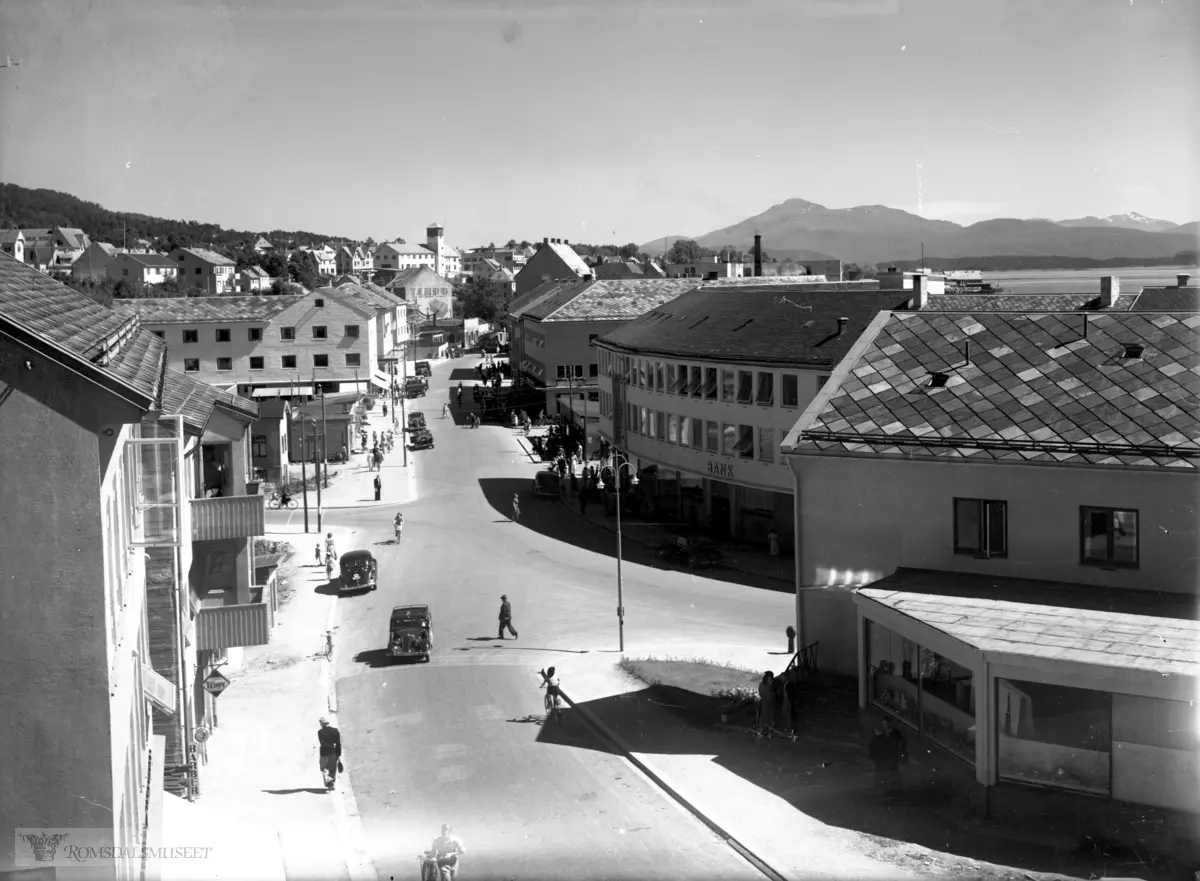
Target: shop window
point(696, 382)
point(698, 434)
point(1054, 735)
point(671, 379)
point(1109, 537)
point(926, 691)
point(766, 445)
point(745, 391)
point(672, 429)
point(729, 438)
point(789, 390)
point(759, 500)
point(685, 430)
point(681, 385)
point(710, 383)
point(660, 372)
point(728, 386)
point(980, 528)
point(766, 389)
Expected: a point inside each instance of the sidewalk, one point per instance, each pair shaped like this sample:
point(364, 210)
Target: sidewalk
point(262, 805)
point(354, 485)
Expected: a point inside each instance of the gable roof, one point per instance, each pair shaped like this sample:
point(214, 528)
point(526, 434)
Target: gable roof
point(379, 299)
point(8, 236)
point(76, 239)
point(567, 255)
point(1044, 387)
point(1025, 303)
point(791, 325)
point(620, 299)
point(349, 300)
point(420, 250)
point(1175, 299)
point(272, 408)
point(151, 261)
point(195, 400)
point(207, 256)
point(187, 310)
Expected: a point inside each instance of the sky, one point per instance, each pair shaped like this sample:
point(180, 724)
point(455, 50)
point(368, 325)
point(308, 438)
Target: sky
point(606, 121)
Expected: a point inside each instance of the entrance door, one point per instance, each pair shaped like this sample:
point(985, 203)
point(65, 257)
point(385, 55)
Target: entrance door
point(720, 517)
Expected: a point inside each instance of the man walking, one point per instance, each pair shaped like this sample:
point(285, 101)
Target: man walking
point(378, 487)
point(329, 740)
point(506, 617)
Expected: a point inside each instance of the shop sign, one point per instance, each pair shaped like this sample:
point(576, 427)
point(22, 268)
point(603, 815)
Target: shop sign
point(721, 469)
point(215, 683)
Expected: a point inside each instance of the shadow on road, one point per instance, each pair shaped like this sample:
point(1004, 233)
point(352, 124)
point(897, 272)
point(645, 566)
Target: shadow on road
point(328, 589)
point(373, 658)
point(315, 790)
point(826, 774)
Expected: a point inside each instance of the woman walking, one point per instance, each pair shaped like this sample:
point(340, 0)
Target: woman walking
point(766, 704)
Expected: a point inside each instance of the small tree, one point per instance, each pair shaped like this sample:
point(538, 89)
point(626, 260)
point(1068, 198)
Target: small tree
point(687, 251)
point(480, 298)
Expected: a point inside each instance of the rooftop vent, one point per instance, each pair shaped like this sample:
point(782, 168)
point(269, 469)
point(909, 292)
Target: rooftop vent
point(842, 322)
point(938, 380)
point(1133, 350)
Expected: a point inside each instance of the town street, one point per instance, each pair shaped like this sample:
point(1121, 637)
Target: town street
point(460, 740)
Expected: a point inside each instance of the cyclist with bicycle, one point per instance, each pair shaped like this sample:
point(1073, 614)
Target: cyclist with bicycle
point(553, 693)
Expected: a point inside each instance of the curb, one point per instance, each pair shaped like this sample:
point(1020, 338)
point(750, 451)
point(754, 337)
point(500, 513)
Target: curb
point(608, 734)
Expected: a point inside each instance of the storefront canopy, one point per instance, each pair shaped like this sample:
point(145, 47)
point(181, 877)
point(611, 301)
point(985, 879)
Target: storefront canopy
point(1048, 621)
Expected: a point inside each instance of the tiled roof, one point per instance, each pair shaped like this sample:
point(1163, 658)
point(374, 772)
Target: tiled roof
point(254, 272)
point(187, 310)
point(1025, 303)
point(75, 238)
point(379, 299)
point(612, 299)
point(209, 256)
point(1084, 624)
point(568, 256)
point(419, 250)
point(1047, 387)
point(8, 236)
point(349, 300)
point(778, 325)
point(141, 363)
point(194, 400)
point(157, 261)
point(518, 306)
point(1185, 299)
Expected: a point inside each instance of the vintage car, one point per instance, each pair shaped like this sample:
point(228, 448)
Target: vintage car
point(358, 570)
point(416, 421)
point(423, 369)
point(546, 483)
point(694, 552)
point(414, 388)
point(421, 439)
point(410, 632)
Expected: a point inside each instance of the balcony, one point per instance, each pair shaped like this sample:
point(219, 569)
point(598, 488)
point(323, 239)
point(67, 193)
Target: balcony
point(223, 627)
point(228, 517)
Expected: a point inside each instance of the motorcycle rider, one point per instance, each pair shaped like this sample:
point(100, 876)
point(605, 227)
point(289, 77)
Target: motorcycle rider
point(446, 849)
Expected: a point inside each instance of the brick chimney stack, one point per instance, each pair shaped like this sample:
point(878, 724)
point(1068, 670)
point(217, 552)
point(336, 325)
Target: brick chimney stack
point(1110, 289)
point(757, 256)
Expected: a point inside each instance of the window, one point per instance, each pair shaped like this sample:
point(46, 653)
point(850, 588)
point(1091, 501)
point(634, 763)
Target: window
point(320, 360)
point(254, 334)
point(124, 272)
point(1109, 537)
point(353, 359)
point(745, 392)
point(592, 371)
point(652, 425)
point(320, 332)
point(661, 372)
point(710, 383)
point(643, 421)
point(579, 371)
point(821, 380)
point(161, 334)
point(222, 334)
point(712, 431)
point(258, 446)
point(766, 445)
point(766, 389)
point(728, 438)
point(981, 527)
point(727, 386)
point(790, 390)
point(191, 365)
point(670, 389)
point(641, 373)
point(682, 387)
point(745, 442)
point(287, 333)
point(256, 362)
point(289, 362)
point(685, 430)
point(319, 303)
point(224, 363)
point(561, 371)
point(352, 331)
point(198, 270)
point(191, 336)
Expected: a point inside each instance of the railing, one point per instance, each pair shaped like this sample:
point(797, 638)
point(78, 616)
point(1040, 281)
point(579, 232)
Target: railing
point(804, 660)
point(222, 627)
point(228, 517)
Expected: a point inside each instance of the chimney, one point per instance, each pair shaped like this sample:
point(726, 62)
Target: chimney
point(1110, 289)
point(1182, 279)
point(920, 286)
point(566, 242)
point(842, 322)
point(587, 277)
point(757, 256)
point(545, 241)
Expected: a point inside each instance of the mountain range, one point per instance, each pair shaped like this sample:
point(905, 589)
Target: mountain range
point(797, 229)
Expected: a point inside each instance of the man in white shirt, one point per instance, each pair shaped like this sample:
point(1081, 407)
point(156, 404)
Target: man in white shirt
point(446, 849)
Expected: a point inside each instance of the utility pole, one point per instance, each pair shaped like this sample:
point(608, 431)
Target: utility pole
point(304, 470)
point(317, 469)
point(324, 442)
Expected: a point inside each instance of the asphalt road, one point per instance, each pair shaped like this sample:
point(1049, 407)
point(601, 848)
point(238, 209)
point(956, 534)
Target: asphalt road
point(460, 740)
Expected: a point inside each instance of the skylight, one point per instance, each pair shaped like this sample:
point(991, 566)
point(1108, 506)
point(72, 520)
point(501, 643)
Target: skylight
point(938, 380)
point(1133, 350)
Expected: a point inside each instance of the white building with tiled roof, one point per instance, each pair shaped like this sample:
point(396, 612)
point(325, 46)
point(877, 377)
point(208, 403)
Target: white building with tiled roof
point(446, 261)
point(12, 243)
point(152, 269)
point(555, 260)
point(995, 523)
point(204, 269)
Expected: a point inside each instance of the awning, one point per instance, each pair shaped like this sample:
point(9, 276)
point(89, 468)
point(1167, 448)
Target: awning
point(222, 627)
point(284, 391)
point(1047, 621)
point(159, 689)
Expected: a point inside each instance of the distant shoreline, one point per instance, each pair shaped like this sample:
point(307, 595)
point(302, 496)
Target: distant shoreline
point(1017, 263)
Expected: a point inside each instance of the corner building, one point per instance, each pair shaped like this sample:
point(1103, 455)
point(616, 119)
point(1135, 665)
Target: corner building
point(699, 392)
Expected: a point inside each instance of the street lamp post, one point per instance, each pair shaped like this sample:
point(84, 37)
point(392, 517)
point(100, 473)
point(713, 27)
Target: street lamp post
point(624, 462)
point(304, 467)
point(317, 471)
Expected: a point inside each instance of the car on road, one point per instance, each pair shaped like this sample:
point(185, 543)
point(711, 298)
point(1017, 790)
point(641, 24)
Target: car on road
point(358, 570)
point(547, 483)
point(695, 553)
point(414, 387)
point(423, 369)
point(416, 421)
point(421, 439)
point(410, 632)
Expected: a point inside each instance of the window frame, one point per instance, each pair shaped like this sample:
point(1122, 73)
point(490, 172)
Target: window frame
point(261, 362)
point(254, 334)
point(728, 385)
point(188, 365)
point(227, 362)
point(352, 331)
point(748, 387)
point(195, 335)
point(224, 335)
point(984, 551)
point(759, 383)
point(318, 358)
point(287, 334)
point(283, 362)
point(320, 331)
point(357, 362)
point(1110, 562)
point(783, 390)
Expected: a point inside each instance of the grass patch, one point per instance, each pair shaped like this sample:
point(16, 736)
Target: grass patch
point(697, 675)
